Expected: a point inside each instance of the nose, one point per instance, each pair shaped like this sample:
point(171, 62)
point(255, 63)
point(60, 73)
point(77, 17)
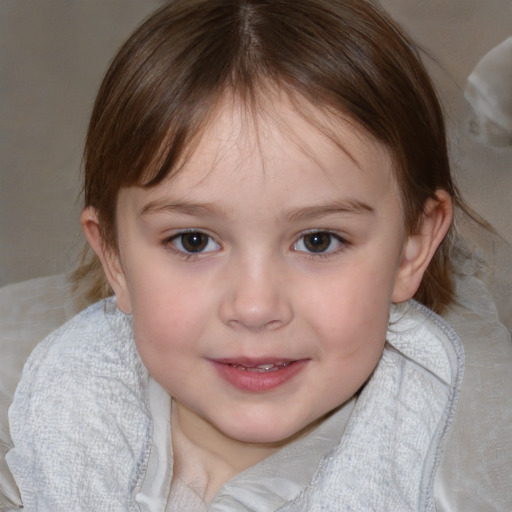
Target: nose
point(256, 297)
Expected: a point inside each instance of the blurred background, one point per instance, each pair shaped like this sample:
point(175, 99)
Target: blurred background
point(53, 54)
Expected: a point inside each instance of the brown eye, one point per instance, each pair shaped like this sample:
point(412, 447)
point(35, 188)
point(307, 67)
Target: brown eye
point(319, 242)
point(194, 242)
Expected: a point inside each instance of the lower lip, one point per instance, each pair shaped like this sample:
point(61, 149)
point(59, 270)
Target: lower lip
point(258, 381)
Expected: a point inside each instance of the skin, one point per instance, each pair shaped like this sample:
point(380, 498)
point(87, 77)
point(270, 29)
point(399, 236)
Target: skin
point(259, 289)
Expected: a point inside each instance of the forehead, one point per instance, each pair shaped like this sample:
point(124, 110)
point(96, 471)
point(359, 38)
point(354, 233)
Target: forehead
point(276, 129)
point(277, 147)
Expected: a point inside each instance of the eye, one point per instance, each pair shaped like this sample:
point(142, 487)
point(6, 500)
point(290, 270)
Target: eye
point(319, 242)
point(194, 242)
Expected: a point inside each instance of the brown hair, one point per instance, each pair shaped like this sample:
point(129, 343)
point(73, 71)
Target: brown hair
point(345, 56)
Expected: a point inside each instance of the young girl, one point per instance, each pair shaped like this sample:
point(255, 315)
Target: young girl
point(266, 187)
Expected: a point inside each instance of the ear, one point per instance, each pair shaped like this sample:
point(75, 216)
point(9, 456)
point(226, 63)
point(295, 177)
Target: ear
point(419, 248)
point(109, 258)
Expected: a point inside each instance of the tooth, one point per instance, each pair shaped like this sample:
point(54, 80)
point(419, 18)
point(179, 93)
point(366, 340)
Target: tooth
point(266, 366)
point(263, 370)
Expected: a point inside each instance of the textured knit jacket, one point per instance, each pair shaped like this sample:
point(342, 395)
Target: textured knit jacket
point(83, 431)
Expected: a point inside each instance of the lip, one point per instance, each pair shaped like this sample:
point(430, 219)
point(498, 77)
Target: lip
point(237, 372)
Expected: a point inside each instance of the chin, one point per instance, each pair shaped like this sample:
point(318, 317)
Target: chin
point(268, 432)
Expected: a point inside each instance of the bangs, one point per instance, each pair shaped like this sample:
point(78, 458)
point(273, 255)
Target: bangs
point(162, 87)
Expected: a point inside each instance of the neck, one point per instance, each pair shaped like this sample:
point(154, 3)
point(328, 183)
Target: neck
point(205, 459)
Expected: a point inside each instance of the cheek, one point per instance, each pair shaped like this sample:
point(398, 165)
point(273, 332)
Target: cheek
point(167, 339)
point(169, 319)
point(350, 316)
point(353, 299)
point(354, 343)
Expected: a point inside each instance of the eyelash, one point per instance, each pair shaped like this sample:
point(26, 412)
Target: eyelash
point(170, 244)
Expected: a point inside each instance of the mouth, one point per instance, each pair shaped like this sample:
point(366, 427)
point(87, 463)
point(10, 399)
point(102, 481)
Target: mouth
point(258, 375)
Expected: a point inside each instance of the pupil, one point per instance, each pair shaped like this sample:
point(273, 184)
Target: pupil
point(317, 242)
point(194, 242)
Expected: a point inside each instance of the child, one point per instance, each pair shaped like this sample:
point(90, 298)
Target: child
point(266, 186)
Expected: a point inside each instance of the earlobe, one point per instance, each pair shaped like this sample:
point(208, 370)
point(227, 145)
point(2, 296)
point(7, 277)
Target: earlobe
point(109, 258)
point(420, 247)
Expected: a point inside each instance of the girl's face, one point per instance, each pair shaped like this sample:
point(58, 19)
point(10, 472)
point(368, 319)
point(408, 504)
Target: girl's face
point(260, 277)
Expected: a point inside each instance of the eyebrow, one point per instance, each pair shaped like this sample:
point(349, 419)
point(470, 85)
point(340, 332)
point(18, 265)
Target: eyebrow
point(350, 206)
point(192, 209)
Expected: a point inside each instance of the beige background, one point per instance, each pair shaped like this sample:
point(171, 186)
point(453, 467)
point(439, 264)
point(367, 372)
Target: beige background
point(53, 55)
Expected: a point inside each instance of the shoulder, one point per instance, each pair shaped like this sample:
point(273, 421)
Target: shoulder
point(98, 331)
point(80, 419)
point(427, 341)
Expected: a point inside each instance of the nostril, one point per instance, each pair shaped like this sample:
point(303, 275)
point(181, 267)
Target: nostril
point(258, 326)
point(274, 324)
point(249, 326)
